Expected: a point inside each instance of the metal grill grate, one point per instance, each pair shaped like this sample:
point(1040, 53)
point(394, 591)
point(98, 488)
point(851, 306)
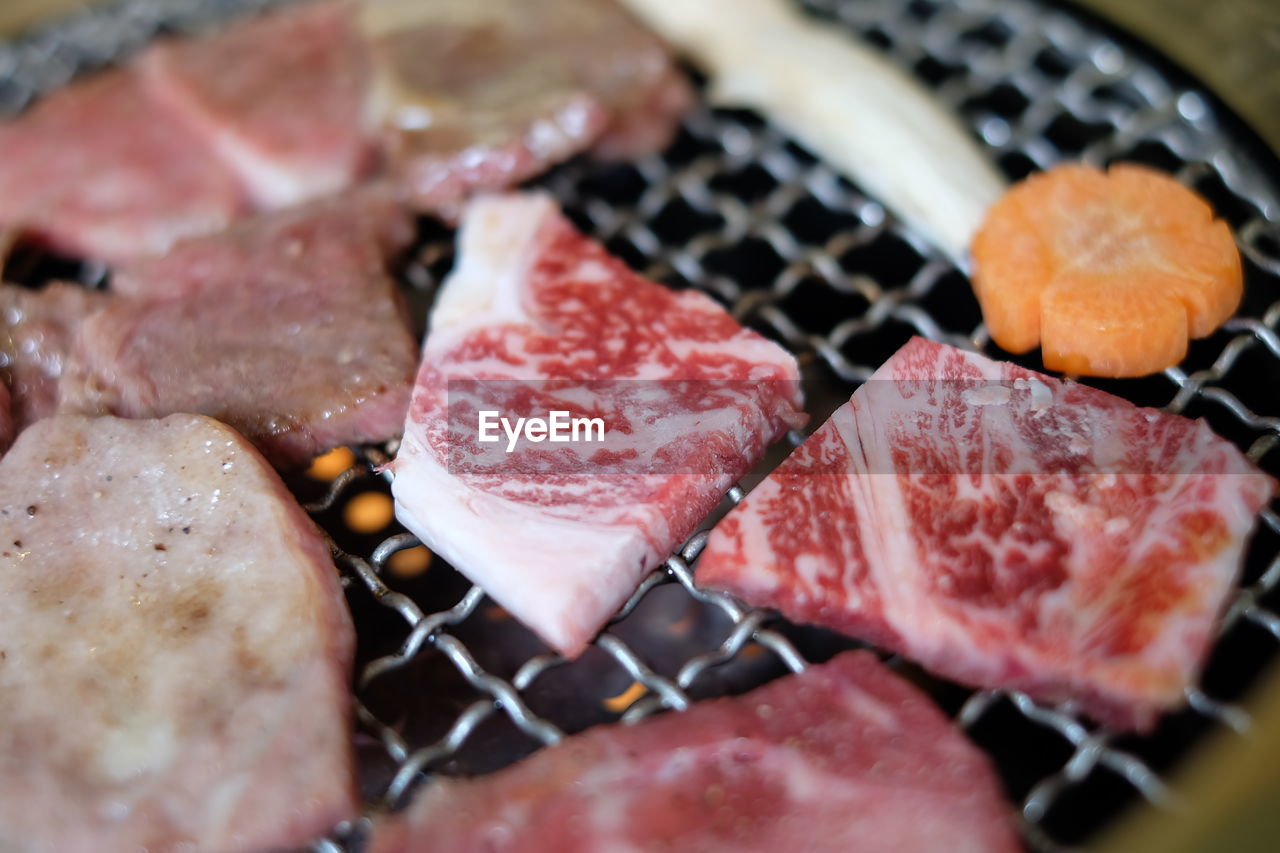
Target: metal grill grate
point(446, 684)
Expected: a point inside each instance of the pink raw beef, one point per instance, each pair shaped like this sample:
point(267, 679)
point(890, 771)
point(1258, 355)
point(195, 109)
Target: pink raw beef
point(844, 756)
point(542, 318)
point(1005, 529)
point(97, 170)
point(279, 99)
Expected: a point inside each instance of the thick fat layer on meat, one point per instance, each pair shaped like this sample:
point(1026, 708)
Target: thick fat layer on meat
point(484, 95)
point(287, 327)
point(96, 170)
point(36, 333)
point(844, 756)
point(176, 647)
point(532, 299)
point(279, 98)
point(1004, 529)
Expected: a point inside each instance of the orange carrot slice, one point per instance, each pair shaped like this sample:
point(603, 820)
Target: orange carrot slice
point(1109, 272)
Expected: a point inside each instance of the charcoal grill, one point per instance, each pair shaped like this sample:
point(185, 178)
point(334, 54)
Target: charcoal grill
point(448, 684)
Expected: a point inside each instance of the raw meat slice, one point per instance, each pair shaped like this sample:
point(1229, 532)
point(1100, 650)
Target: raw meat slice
point(96, 170)
point(279, 98)
point(561, 539)
point(484, 95)
point(844, 756)
point(37, 328)
point(286, 327)
point(1004, 529)
point(162, 590)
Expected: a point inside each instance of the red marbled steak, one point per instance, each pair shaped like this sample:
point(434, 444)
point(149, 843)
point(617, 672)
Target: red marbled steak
point(535, 308)
point(1004, 529)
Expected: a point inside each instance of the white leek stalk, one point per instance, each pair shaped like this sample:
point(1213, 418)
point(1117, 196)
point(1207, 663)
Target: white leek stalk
point(843, 101)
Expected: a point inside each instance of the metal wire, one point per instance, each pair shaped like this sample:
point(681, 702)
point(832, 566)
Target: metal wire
point(793, 249)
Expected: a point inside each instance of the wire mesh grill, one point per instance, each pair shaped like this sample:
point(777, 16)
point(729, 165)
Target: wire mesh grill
point(447, 684)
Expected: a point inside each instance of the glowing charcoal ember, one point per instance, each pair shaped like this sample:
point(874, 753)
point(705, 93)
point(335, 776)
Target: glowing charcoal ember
point(538, 315)
point(1004, 529)
point(160, 584)
point(410, 562)
point(844, 756)
point(368, 512)
point(328, 466)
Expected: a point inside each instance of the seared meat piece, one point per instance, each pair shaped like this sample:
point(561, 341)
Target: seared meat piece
point(6, 419)
point(485, 95)
point(37, 328)
point(174, 645)
point(286, 327)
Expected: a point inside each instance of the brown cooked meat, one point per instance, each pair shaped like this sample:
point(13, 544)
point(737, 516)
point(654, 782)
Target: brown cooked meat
point(174, 646)
point(37, 328)
point(287, 327)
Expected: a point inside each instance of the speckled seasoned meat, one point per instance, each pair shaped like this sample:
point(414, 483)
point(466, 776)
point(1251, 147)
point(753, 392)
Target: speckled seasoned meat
point(174, 645)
